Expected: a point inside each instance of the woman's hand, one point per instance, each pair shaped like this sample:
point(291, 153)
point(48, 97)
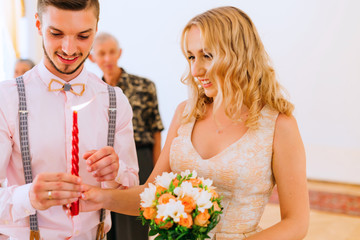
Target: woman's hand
point(92, 198)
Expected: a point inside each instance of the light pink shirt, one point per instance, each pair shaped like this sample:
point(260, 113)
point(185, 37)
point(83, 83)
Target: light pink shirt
point(50, 136)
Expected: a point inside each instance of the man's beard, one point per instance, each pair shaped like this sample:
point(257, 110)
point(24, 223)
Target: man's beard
point(57, 69)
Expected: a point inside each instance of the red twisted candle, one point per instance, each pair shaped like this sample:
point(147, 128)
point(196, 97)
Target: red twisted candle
point(75, 160)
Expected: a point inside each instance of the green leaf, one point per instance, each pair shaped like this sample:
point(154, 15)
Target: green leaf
point(160, 237)
point(181, 235)
point(153, 232)
point(171, 187)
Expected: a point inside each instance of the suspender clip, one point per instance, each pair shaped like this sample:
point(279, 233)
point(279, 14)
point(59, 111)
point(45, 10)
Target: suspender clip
point(100, 234)
point(112, 109)
point(34, 235)
point(23, 111)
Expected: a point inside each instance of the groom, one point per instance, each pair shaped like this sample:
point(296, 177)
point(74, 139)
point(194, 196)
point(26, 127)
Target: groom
point(43, 142)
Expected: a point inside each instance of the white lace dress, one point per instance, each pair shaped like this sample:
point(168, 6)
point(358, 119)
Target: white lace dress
point(241, 173)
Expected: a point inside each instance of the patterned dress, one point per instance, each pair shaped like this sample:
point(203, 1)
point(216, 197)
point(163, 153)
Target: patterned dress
point(241, 173)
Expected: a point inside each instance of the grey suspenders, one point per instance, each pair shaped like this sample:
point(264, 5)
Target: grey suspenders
point(110, 142)
point(25, 151)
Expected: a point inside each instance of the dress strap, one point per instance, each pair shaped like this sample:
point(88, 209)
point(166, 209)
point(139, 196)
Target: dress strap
point(25, 150)
point(268, 117)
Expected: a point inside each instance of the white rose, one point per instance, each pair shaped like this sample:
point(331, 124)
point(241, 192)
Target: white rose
point(203, 201)
point(186, 189)
point(187, 173)
point(148, 196)
point(173, 209)
point(165, 179)
point(206, 182)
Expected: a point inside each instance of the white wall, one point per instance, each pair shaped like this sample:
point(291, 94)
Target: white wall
point(31, 47)
point(314, 45)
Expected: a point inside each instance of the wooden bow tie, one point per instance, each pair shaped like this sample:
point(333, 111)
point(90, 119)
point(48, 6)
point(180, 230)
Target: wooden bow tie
point(76, 88)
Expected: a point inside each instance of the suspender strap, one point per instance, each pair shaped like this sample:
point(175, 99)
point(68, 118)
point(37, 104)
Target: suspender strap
point(110, 142)
point(112, 116)
point(25, 151)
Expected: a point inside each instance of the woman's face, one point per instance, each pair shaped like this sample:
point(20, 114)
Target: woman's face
point(200, 61)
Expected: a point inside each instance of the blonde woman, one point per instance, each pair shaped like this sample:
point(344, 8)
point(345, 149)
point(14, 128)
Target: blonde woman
point(236, 128)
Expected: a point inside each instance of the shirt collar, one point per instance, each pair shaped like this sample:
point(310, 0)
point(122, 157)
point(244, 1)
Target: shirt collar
point(123, 76)
point(46, 75)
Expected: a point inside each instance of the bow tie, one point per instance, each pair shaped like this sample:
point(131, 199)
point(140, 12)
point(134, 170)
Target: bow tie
point(76, 88)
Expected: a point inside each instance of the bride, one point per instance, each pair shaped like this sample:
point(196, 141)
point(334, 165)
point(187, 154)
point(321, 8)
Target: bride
point(236, 129)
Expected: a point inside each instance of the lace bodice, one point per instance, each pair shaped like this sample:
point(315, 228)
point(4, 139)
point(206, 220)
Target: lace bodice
point(241, 173)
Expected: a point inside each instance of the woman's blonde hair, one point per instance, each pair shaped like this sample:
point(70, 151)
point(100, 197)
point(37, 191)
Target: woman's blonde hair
point(240, 68)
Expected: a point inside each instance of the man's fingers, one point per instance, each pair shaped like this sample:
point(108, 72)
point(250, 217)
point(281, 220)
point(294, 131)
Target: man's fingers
point(100, 154)
point(103, 164)
point(63, 186)
point(58, 177)
point(61, 195)
point(45, 199)
point(88, 154)
point(58, 202)
point(105, 161)
point(54, 181)
point(51, 189)
point(106, 174)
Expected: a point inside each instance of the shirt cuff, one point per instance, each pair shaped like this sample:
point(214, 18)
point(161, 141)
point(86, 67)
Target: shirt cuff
point(127, 177)
point(21, 203)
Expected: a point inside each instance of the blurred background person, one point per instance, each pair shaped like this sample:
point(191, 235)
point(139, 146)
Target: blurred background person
point(147, 124)
point(22, 66)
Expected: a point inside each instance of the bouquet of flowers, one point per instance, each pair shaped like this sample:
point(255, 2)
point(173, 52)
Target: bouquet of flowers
point(180, 206)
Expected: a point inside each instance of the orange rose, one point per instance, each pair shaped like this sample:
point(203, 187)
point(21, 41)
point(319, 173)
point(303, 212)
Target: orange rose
point(186, 222)
point(213, 193)
point(168, 225)
point(195, 182)
point(149, 213)
point(189, 204)
point(202, 219)
point(165, 198)
point(216, 206)
point(159, 189)
point(176, 182)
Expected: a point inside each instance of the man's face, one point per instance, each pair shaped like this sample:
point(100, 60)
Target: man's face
point(106, 55)
point(67, 39)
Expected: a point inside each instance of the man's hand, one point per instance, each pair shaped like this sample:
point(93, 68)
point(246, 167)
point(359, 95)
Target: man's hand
point(54, 189)
point(103, 164)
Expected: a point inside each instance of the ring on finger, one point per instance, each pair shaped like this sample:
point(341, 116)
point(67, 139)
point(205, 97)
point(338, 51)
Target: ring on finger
point(50, 195)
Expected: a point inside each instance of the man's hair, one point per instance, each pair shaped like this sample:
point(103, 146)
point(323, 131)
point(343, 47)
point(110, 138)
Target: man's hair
point(74, 5)
point(104, 36)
